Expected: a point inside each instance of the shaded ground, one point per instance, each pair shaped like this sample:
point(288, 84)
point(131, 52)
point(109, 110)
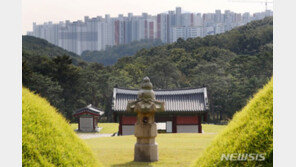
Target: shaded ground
point(108, 128)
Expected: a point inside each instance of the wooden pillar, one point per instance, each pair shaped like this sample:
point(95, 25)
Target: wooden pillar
point(120, 125)
point(206, 117)
point(174, 124)
point(114, 117)
point(79, 123)
point(199, 124)
point(94, 123)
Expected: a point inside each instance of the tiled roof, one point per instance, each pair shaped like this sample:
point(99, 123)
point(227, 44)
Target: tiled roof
point(189, 100)
point(90, 108)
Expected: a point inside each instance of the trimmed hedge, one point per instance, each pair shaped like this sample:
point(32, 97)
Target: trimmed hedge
point(250, 131)
point(47, 138)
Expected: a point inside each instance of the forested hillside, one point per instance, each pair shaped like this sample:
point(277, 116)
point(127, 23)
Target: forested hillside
point(33, 46)
point(111, 54)
point(232, 65)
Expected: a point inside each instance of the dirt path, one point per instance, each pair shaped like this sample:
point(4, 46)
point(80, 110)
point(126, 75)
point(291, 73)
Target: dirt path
point(93, 135)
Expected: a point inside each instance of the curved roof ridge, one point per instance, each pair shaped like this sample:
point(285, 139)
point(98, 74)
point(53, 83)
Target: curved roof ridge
point(162, 92)
point(184, 99)
point(91, 108)
point(162, 89)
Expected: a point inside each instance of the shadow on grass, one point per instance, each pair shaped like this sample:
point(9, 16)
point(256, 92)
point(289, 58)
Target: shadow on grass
point(134, 164)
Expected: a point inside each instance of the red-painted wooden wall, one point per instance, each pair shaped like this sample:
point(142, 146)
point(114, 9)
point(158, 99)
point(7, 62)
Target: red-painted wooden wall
point(129, 120)
point(187, 120)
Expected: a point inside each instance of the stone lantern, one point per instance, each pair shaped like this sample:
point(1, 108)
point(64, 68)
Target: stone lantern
point(145, 106)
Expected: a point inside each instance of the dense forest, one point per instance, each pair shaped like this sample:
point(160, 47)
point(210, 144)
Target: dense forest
point(232, 65)
point(110, 55)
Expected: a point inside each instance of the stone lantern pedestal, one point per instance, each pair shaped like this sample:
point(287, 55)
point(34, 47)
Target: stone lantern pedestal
point(146, 148)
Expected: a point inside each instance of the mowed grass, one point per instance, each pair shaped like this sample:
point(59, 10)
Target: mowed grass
point(249, 132)
point(212, 128)
point(107, 127)
point(47, 138)
point(175, 150)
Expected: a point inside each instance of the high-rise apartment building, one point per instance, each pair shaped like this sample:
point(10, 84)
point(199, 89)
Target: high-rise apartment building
point(185, 32)
point(162, 27)
point(178, 16)
point(98, 33)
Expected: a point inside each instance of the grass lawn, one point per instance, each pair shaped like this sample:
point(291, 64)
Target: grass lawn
point(175, 150)
point(211, 128)
point(107, 127)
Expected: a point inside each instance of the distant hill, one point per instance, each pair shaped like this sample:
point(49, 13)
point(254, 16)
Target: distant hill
point(33, 46)
point(111, 54)
point(47, 139)
point(250, 131)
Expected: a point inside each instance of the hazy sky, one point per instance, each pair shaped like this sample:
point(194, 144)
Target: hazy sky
point(40, 11)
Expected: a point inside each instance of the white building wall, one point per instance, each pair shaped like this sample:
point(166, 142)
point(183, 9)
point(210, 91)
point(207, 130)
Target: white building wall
point(178, 32)
point(153, 19)
point(194, 18)
point(163, 28)
point(100, 36)
point(86, 124)
point(186, 19)
point(169, 126)
point(128, 129)
point(187, 128)
point(193, 32)
point(110, 33)
point(199, 20)
point(178, 17)
point(185, 33)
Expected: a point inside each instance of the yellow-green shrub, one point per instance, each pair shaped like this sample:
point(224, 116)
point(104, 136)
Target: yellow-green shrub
point(250, 131)
point(47, 138)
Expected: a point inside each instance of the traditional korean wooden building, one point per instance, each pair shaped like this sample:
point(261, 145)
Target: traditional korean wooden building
point(88, 118)
point(185, 109)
